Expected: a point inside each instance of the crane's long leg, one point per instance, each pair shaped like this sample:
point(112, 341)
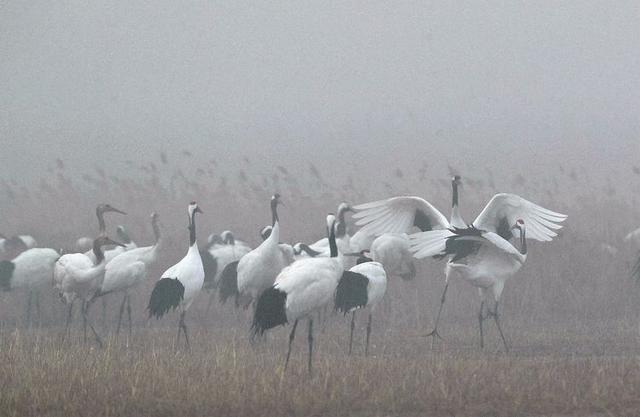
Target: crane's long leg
point(291, 336)
point(366, 346)
point(353, 326)
point(29, 298)
point(83, 308)
point(310, 339)
point(85, 311)
point(497, 320)
point(104, 312)
point(480, 320)
point(124, 300)
point(68, 322)
point(182, 325)
point(129, 314)
point(212, 295)
point(38, 312)
point(434, 333)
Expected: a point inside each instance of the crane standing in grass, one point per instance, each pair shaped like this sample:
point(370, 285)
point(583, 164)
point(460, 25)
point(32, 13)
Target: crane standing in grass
point(482, 254)
point(180, 284)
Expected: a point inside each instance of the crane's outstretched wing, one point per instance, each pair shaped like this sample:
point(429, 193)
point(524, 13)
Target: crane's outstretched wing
point(398, 215)
point(504, 210)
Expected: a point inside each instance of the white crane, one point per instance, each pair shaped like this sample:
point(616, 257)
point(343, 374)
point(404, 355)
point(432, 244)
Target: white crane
point(101, 210)
point(342, 237)
point(398, 216)
point(127, 270)
point(216, 257)
point(392, 251)
point(31, 270)
point(76, 276)
point(15, 245)
point(301, 289)
point(481, 253)
point(123, 237)
point(257, 270)
point(362, 286)
point(228, 281)
point(180, 284)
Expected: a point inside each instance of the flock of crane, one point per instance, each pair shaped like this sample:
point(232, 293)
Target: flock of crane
point(286, 283)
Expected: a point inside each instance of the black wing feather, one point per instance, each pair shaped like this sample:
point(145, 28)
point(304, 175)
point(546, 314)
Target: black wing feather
point(228, 285)
point(210, 265)
point(422, 221)
point(351, 292)
point(270, 311)
point(167, 294)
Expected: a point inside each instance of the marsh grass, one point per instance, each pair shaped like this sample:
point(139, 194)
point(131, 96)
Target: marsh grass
point(571, 314)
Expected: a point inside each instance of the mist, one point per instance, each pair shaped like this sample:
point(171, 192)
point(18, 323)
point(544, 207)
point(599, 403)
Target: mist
point(519, 87)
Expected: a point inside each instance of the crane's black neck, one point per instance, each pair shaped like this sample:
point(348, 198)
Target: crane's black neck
point(156, 230)
point(97, 251)
point(332, 241)
point(455, 194)
point(274, 211)
point(341, 225)
point(102, 228)
point(304, 247)
point(523, 242)
point(192, 228)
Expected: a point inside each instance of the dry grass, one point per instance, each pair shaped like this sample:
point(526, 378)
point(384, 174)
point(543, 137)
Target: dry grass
point(570, 314)
point(225, 375)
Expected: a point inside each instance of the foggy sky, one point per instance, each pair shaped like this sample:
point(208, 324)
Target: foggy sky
point(519, 84)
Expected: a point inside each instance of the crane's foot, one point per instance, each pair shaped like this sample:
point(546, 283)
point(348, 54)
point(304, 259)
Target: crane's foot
point(434, 334)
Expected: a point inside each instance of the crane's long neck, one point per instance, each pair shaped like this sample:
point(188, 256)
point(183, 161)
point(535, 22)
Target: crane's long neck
point(156, 231)
point(523, 242)
point(102, 228)
point(341, 225)
point(274, 212)
point(97, 251)
point(275, 233)
point(332, 242)
point(456, 218)
point(192, 229)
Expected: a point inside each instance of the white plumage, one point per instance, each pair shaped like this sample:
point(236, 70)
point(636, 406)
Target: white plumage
point(363, 286)
point(31, 269)
point(77, 276)
point(181, 283)
point(299, 290)
point(258, 269)
point(482, 254)
point(128, 269)
point(392, 251)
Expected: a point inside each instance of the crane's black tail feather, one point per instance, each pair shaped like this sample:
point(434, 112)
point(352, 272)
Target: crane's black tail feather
point(351, 292)
point(270, 311)
point(228, 285)
point(167, 294)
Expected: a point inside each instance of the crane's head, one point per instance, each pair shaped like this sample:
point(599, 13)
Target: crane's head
point(193, 209)
point(214, 239)
point(154, 217)
point(101, 241)
point(276, 200)
point(456, 180)
point(122, 234)
point(227, 237)
point(345, 207)
point(107, 208)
